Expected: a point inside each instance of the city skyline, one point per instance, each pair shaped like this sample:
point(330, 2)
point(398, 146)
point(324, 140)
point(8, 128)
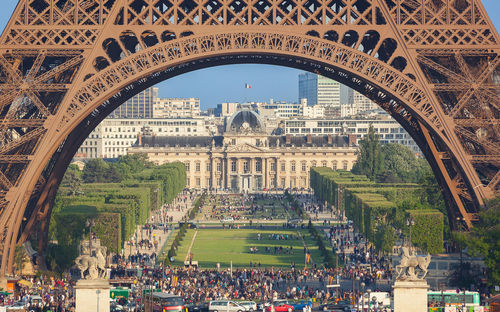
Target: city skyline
point(226, 83)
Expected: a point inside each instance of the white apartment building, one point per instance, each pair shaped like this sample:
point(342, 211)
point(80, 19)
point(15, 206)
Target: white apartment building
point(362, 103)
point(319, 90)
point(388, 129)
point(285, 110)
point(316, 111)
point(112, 137)
point(281, 109)
point(177, 108)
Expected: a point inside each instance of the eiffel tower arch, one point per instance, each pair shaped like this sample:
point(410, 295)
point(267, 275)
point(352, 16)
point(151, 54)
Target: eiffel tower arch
point(66, 64)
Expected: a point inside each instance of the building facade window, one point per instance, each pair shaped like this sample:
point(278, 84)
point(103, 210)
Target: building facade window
point(219, 167)
point(198, 167)
point(273, 166)
point(304, 166)
point(283, 166)
point(188, 167)
point(245, 166)
point(233, 166)
point(293, 166)
point(258, 166)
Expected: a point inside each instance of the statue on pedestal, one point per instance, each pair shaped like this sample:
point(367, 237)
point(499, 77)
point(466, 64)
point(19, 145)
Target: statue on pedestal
point(92, 267)
point(409, 262)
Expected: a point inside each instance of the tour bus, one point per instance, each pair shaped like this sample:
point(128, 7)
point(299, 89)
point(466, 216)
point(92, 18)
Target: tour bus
point(452, 298)
point(120, 294)
point(161, 302)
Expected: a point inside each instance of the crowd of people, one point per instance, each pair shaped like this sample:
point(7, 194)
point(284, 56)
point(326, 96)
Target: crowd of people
point(359, 266)
point(246, 207)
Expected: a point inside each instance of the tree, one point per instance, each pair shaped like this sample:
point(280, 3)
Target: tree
point(135, 162)
point(95, 171)
point(400, 162)
point(72, 179)
point(385, 238)
point(370, 158)
point(484, 239)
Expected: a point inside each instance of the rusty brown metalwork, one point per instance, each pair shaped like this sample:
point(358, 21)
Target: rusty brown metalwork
point(434, 65)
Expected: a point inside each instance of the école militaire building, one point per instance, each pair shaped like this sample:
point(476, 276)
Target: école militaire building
point(246, 158)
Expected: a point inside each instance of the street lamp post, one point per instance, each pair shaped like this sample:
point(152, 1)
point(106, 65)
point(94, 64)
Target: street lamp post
point(89, 224)
point(363, 296)
point(410, 222)
point(21, 251)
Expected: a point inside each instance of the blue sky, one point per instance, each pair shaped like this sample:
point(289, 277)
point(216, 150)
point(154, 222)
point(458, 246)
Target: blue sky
point(226, 83)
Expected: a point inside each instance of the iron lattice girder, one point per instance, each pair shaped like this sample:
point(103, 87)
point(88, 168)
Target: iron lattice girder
point(108, 46)
point(489, 146)
point(15, 159)
point(493, 159)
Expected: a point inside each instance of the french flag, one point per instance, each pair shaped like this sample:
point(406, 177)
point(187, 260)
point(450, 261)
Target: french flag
point(247, 86)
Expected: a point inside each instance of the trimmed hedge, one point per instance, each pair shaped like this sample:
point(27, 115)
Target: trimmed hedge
point(117, 208)
point(427, 233)
point(378, 209)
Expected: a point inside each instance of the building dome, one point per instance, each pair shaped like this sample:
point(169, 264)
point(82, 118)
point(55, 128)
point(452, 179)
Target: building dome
point(245, 121)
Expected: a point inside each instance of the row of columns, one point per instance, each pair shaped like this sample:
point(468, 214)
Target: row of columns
point(226, 169)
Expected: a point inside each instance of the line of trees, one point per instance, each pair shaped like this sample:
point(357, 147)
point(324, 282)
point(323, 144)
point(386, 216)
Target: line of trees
point(118, 196)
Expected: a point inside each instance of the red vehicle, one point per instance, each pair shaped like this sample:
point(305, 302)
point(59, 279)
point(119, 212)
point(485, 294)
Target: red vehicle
point(280, 307)
point(162, 302)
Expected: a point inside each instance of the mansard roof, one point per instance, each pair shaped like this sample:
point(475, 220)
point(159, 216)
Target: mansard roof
point(309, 141)
point(180, 141)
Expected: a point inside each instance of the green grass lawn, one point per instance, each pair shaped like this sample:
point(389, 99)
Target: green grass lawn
point(213, 246)
point(183, 248)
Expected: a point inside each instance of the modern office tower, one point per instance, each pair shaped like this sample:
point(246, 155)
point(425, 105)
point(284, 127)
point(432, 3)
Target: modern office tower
point(226, 109)
point(346, 95)
point(139, 106)
point(319, 90)
point(177, 108)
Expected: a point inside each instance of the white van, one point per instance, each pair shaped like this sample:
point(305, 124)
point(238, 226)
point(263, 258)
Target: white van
point(249, 305)
point(379, 299)
point(226, 306)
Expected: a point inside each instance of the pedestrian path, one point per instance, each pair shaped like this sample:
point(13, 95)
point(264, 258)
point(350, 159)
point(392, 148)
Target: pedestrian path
point(171, 213)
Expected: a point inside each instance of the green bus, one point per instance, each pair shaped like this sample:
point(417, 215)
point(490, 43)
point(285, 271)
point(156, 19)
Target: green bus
point(439, 299)
point(120, 294)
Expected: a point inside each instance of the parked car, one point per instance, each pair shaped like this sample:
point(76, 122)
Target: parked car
point(280, 306)
point(249, 305)
point(341, 306)
point(16, 306)
point(202, 307)
point(227, 219)
point(301, 304)
point(226, 306)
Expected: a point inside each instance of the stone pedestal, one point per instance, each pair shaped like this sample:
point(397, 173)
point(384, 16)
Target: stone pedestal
point(92, 296)
point(410, 296)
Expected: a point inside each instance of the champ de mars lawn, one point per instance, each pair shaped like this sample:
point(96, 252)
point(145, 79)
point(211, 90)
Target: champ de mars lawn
point(212, 246)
